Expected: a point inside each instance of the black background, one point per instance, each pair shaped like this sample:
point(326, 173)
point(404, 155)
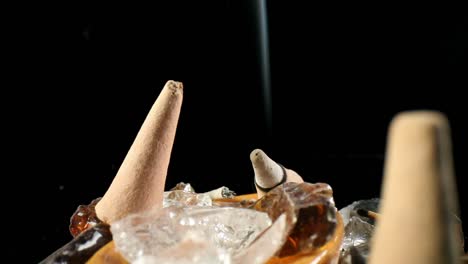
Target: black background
point(84, 78)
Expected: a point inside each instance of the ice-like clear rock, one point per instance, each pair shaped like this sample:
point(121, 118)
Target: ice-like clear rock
point(358, 234)
point(193, 249)
point(157, 233)
point(183, 194)
point(184, 198)
point(351, 210)
point(358, 231)
point(230, 228)
point(265, 246)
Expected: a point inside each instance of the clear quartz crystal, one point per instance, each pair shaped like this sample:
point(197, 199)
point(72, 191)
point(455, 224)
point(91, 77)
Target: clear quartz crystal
point(182, 186)
point(351, 210)
point(183, 194)
point(266, 245)
point(357, 234)
point(358, 231)
point(192, 249)
point(220, 233)
point(183, 198)
point(230, 228)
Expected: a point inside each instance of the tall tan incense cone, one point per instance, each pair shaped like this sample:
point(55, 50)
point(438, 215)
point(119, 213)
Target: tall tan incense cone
point(269, 174)
point(139, 183)
point(419, 195)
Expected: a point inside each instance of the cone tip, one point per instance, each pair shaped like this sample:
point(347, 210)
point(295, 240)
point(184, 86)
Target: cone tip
point(175, 86)
point(256, 155)
point(419, 118)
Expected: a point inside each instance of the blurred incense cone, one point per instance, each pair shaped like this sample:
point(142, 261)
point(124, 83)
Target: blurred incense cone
point(269, 174)
point(419, 195)
point(139, 183)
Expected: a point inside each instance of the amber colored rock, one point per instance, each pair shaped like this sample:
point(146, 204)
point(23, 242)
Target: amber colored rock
point(326, 254)
point(310, 211)
point(107, 255)
point(84, 218)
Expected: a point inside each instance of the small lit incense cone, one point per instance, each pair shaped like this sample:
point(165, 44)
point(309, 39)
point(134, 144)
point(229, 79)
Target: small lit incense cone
point(269, 174)
point(418, 195)
point(139, 183)
point(221, 193)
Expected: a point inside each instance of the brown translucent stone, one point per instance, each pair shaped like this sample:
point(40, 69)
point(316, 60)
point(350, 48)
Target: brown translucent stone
point(310, 211)
point(84, 218)
point(108, 254)
point(82, 247)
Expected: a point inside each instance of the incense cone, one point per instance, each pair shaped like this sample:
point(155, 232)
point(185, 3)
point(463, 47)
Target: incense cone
point(222, 192)
point(418, 194)
point(269, 174)
point(139, 183)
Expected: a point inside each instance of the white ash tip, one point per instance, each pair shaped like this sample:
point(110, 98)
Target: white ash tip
point(175, 86)
point(257, 155)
